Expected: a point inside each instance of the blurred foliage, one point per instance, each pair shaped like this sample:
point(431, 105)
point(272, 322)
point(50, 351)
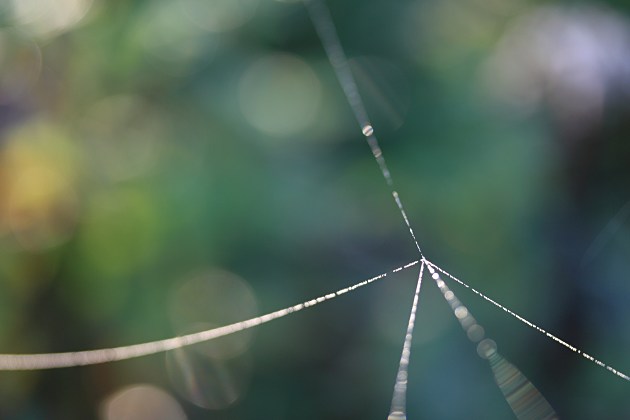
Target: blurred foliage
point(167, 166)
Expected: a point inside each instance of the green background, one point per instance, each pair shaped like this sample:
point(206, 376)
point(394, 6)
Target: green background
point(156, 143)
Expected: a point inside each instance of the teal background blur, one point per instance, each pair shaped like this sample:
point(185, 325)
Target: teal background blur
point(169, 166)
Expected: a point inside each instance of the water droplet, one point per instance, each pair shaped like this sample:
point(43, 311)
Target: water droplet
point(486, 348)
point(368, 130)
point(475, 332)
point(461, 312)
point(397, 415)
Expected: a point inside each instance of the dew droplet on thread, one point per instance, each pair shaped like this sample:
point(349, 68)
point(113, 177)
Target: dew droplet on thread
point(475, 332)
point(461, 312)
point(397, 415)
point(368, 130)
point(486, 348)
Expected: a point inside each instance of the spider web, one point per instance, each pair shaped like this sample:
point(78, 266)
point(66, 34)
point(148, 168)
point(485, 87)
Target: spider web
point(524, 399)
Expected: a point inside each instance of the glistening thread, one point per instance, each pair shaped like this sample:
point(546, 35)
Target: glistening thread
point(532, 405)
point(524, 399)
